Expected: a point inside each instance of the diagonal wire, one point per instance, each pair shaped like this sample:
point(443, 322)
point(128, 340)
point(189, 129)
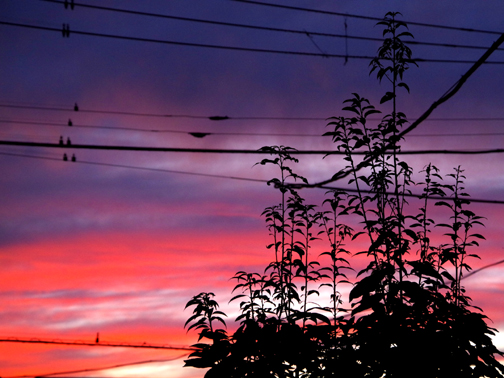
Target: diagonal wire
point(205, 45)
point(161, 170)
point(67, 32)
point(367, 17)
point(265, 28)
point(100, 368)
point(445, 97)
point(413, 195)
point(476, 200)
point(482, 268)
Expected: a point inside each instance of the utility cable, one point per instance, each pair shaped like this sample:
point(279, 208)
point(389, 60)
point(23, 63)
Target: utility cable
point(413, 195)
point(201, 134)
point(256, 27)
point(240, 151)
point(340, 14)
point(241, 178)
point(66, 33)
point(78, 161)
point(351, 190)
point(93, 344)
point(77, 108)
point(100, 368)
point(445, 97)
point(482, 268)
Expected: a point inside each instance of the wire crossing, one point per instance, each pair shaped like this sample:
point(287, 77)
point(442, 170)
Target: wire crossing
point(160, 170)
point(256, 27)
point(66, 34)
point(472, 30)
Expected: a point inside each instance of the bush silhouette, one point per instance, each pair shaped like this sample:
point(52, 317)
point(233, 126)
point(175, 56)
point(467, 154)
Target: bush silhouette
point(409, 315)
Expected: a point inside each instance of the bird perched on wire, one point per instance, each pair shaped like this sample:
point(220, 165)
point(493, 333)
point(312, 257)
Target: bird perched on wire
point(97, 338)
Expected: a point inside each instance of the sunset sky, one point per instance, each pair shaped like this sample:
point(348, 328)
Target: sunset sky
point(118, 241)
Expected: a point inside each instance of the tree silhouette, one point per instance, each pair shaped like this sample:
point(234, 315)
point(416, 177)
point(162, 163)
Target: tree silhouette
point(409, 315)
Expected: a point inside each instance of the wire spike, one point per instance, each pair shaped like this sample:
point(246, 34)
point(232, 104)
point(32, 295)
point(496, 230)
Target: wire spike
point(66, 30)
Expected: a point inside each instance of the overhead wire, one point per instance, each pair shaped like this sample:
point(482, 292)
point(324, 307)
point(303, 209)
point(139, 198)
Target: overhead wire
point(412, 23)
point(257, 27)
point(482, 268)
point(79, 109)
point(445, 97)
point(475, 200)
point(201, 134)
point(161, 170)
point(93, 344)
point(239, 151)
point(349, 15)
point(109, 367)
point(413, 195)
point(66, 33)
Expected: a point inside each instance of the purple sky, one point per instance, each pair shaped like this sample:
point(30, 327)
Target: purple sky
point(88, 248)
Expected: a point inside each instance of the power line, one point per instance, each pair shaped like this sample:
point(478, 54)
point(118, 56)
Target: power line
point(445, 97)
point(483, 268)
point(367, 17)
point(100, 368)
point(118, 128)
point(77, 108)
point(256, 27)
point(240, 151)
point(455, 134)
point(201, 134)
point(413, 195)
point(189, 44)
point(476, 200)
point(138, 168)
point(93, 344)
point(66, 33)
